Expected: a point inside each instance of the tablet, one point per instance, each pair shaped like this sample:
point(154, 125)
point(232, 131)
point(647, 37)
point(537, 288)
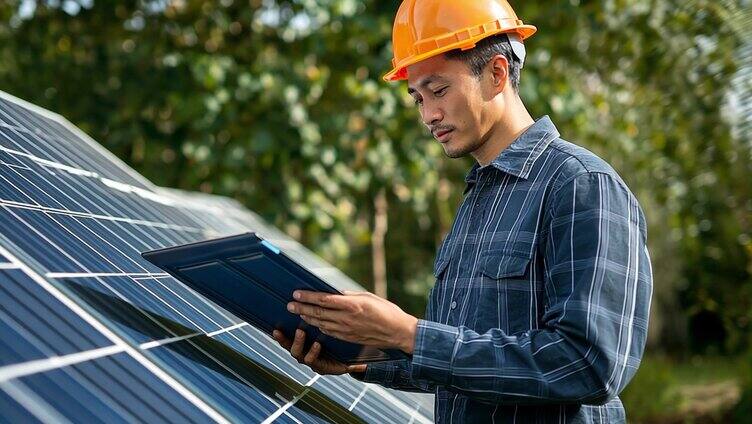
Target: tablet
point(254, 280)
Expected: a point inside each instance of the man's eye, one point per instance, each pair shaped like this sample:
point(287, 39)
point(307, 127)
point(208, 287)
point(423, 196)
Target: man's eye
point(418, 102)
point(440, 92)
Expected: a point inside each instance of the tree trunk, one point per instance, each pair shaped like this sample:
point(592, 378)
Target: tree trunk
point(380, 219)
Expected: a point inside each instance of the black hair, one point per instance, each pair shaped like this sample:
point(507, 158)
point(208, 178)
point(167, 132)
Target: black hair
point(478, 57)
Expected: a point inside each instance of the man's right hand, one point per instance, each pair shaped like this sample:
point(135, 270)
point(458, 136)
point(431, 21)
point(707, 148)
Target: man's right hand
point(320, 365)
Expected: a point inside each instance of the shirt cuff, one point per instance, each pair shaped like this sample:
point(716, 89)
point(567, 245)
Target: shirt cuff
point(380, 373)
point(433, 353)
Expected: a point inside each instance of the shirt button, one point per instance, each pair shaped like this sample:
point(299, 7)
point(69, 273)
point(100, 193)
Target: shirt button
point(453, 305)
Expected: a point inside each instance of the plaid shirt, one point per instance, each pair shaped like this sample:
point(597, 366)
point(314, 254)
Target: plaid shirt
point(543, 285)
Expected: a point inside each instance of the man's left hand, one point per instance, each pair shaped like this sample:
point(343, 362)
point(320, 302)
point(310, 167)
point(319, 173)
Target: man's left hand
point(357, 317)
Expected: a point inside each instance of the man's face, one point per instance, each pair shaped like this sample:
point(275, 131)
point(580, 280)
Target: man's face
point(452, 104)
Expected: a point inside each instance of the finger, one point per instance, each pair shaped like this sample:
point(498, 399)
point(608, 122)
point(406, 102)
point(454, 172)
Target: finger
point(312, 311)
point(357, 368)
point(313, 354)
point(281, 339)
point(326, 300)
point(323, 325)
point(297, 345)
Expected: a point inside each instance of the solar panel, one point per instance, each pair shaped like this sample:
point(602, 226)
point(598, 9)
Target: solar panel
point(89, 331)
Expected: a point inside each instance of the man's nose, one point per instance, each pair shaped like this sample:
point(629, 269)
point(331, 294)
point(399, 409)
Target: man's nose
point(431, 115)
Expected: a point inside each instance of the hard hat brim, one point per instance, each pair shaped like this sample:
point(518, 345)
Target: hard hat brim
point(399, 72)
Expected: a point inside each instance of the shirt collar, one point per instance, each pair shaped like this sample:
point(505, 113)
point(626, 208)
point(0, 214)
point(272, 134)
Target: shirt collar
point(519, 157)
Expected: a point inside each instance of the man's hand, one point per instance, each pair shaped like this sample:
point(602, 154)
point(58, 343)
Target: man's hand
point(357, 317)
point(321, 366)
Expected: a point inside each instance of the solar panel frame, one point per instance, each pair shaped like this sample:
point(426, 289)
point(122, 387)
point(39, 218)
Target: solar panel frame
point(110, 214)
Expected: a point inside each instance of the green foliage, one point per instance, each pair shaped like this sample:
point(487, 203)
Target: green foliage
point(648, 394)
point(744, 408)
point(280, 105)
point(695, 389)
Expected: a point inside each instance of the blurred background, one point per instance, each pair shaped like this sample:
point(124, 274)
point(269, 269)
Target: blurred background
point(280, 105)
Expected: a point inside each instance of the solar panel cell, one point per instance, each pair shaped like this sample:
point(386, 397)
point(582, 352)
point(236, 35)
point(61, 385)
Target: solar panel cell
point(12, 411)
point(111, 389)
point(36, 325)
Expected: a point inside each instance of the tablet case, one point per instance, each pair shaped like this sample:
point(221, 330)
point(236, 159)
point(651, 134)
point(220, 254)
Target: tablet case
point(254, 280)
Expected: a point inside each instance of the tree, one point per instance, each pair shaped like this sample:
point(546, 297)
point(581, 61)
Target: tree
point(280, 105)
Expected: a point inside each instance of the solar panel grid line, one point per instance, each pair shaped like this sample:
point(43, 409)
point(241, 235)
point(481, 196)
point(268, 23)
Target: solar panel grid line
point(38, 325)
point(360, 402)
point(154, 224)
point(221, 331)
point(30, 165)
point(35, 405)
point(287, 406)
point(121, 404)
point(79, 205)
point(63, 210)
point(237, 401)
point(19, 167)
point(102, 372)
point(57, 247)
point(10, 372)
point(231, 371)
point(161, 374)
point(113, 381)
point(74, 234)
point(155, 196)
point(413, 413)
point(134, 275)
point(158, 343)
point(26, 144)
point(274, 352)
point(137, 191)
point(153, 277)
point(68, 372)
point(272, 363)
point(343, 396)
point(109, 156)
point(48, 163)
point(357, 399)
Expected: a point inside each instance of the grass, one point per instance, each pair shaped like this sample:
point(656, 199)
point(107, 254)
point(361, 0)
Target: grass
point(698, 390)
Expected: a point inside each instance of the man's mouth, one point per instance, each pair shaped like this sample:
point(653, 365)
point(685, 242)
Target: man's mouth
point(442, 135)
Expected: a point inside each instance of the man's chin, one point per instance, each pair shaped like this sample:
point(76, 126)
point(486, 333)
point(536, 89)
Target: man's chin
point(455, 153)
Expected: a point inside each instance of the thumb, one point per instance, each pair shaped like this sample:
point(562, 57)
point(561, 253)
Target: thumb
point(357, 368)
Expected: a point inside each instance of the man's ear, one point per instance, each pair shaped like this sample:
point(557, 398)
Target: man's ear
point(499, 67)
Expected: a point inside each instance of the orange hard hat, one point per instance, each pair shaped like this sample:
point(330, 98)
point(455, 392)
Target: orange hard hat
point(426, 28)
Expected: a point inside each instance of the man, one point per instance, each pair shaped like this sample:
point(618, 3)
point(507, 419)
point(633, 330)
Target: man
point(543, 284)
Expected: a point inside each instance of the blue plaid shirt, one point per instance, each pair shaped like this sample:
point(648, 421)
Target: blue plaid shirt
point(543, 285)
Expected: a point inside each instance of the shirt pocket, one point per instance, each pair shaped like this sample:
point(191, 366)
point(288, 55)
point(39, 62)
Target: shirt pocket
point(439, 267)
point(499, 264)
point(508, 290)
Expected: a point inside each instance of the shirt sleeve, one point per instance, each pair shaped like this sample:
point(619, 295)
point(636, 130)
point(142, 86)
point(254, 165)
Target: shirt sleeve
point(395, 375)
point(597, 285)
